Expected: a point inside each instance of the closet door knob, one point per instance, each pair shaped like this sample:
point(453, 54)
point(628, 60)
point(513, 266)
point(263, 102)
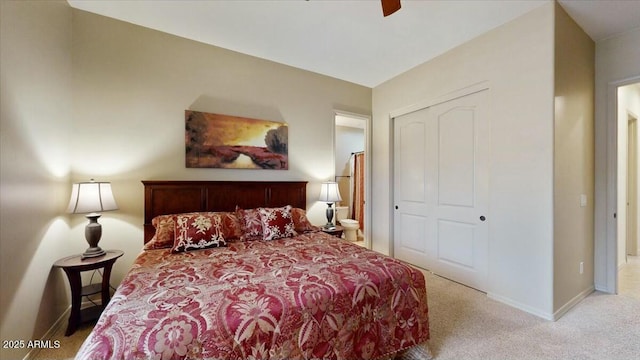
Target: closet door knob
point(482, 218)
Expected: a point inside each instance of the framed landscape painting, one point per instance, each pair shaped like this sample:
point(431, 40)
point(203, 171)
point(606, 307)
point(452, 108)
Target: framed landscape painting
point(232, 142)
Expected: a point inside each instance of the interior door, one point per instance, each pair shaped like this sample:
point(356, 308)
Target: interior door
point(441, 189)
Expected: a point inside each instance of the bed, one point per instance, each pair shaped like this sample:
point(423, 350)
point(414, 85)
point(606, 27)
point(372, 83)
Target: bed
point(300, 295)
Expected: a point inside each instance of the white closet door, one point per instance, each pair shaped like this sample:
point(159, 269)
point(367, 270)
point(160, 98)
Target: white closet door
point(441, 189)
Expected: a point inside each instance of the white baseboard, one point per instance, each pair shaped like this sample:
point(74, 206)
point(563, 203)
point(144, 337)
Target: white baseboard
point(571, 303)
point(545, 315)
point(520, 306)
point(621, 265)
point(49, 334)
point(604, 289)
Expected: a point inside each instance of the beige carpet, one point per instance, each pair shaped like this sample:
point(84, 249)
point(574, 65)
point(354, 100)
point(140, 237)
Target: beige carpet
point(69, 344)
point(465, 324)
point(629, 278)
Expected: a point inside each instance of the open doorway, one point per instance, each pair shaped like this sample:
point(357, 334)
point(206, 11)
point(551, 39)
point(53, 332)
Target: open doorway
point(352, 174)
point(627, 227)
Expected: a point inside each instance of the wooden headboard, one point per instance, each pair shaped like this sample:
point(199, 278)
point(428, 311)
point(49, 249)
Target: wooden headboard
point(175, 197)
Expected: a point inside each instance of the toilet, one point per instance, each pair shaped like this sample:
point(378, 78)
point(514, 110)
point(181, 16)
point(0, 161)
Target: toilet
point(350, 226)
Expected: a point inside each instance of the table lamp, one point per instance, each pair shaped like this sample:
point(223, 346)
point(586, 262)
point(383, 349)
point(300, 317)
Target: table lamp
point(330, 193)
point(91, 198)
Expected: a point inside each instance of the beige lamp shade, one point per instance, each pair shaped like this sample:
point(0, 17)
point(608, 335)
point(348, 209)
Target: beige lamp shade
point(89, 197)
point(329, 192)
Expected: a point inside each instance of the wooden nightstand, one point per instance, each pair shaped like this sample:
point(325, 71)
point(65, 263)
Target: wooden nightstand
point(73, 266)
point(337, 231)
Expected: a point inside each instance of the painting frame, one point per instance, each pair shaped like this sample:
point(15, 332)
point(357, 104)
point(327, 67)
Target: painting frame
point(233, 142)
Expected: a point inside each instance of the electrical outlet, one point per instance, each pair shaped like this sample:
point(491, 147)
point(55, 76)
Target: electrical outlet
point(581, 267)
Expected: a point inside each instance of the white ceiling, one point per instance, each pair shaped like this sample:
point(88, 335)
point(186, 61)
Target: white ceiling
point(349, 39)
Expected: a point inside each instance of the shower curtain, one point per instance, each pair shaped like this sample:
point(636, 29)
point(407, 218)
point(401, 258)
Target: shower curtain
point(357, 188)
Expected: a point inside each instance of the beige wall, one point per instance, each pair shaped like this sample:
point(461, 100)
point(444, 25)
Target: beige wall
point(617, 63)
point(517, 61)
point(35, 129)
point(131, 86)
point(573, 162)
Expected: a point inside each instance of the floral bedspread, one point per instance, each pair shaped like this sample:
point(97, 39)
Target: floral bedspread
point(313, 296)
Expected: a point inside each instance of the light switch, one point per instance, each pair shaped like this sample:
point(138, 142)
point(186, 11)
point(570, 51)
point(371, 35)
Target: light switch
point(583, 200)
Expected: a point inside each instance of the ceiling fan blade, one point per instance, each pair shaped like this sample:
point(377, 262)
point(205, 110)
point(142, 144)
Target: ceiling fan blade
point(390, 6)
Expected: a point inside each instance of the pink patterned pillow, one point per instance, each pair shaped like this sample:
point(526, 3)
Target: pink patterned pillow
point(277, 223)
point(198, 231)
point(165, 224)
point(300, 221)
point(231, 227)
point(163, 238)
point(250, 223)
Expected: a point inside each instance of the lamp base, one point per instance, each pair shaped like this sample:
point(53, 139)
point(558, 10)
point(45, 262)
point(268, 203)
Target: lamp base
point(93, 232)
point(93, 252)
point(330, 225)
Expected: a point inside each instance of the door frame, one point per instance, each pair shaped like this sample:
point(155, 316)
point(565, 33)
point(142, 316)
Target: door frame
point(632, 159)
point(367, 167)
point(606, 255)
point(465, 91)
